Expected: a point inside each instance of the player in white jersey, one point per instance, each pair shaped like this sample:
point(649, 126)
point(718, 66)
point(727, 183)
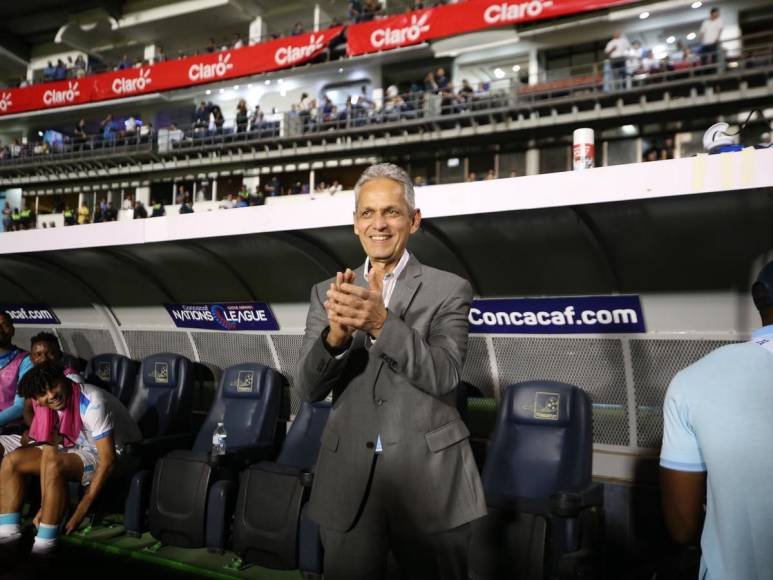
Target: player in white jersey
point(89, 433)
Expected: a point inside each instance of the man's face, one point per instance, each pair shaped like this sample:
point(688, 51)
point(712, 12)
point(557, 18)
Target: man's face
point(42, 352)
point(6, 331)
point(383, 221)
point(55, 397)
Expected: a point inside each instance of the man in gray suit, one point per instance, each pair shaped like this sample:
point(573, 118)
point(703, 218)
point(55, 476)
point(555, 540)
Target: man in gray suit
point(395, 469)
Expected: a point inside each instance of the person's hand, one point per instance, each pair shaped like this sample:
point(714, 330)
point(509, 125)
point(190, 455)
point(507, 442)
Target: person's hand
point(77, 517)
point(339, 333)
point(359, 308)
point(25, 438)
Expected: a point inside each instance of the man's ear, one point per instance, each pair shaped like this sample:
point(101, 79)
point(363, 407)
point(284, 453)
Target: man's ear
point(354, 223)
point(416, 220)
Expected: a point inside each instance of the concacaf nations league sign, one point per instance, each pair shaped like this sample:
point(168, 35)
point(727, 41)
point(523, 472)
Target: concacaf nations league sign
point(574, 315)
point(30, 313)
point(223, 316)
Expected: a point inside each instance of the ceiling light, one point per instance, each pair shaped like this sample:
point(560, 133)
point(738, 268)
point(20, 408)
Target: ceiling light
point(208, 92)
point(644, 15)
point(236, 87)
point(221, 91)
point(697, 4)
point(499, 73)
point(268, 82)
point(691, 36)
point(516, 67)
point(671, 39)
point(340, 70)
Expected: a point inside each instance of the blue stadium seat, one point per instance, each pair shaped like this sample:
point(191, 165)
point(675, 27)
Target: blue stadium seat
point(545, 512)
point(114, 373)
point(74, 362)
point(271, 528)
point(191, 491)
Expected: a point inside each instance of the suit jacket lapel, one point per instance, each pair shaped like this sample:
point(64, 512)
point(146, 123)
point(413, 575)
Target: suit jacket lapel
point(407, 285)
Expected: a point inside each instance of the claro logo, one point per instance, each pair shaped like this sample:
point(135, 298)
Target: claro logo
point(201, 71)
point(122, 85)
point(5, 102)
point(386, 37)
point(504, 12)
point(285, 55)
point(55, 97)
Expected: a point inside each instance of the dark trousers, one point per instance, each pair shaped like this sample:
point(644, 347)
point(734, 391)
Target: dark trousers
point(362, 552)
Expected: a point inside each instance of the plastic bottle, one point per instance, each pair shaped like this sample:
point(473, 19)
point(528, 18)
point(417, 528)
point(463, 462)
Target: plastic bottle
point(219, 438)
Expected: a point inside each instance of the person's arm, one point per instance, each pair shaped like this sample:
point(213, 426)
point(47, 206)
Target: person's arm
point(106, 453)
point(683, 471)
point(12, 413)
point(319, 365)
point(682, 497)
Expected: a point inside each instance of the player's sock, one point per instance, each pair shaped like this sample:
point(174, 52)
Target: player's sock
point(10, 526)
point(46, 539)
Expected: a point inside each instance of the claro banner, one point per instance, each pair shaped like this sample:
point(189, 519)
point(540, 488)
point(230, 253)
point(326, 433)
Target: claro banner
point(423, 25)
point(172, 74)
point(572, 315)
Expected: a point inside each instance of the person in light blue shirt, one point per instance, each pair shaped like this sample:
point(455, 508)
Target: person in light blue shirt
point(9, 358)
point(718, 448)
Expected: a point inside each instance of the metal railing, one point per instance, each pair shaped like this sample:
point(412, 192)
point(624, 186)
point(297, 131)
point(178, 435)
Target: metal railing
point(358, 115)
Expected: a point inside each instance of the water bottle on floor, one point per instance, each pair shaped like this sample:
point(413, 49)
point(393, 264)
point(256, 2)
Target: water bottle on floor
point(219, 438)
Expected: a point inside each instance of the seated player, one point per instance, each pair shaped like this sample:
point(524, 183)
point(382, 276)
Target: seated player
point(14, 363)
point(44, 348)
point(85, 429)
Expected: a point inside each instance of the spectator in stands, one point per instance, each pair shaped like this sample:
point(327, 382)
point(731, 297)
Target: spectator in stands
point(158, 209)
point(513, 173)
point(175, 134)
point(465, 95)
point(201, 117)
point(441, 79)
point(242, 116)
point(491, 174)
point(272, 187)
point(14, 364)
point(238, 42)
point(218, 120)
point(48, 72)
point(130, 127)
point(471, 176)
point(211, 47)
point(354, 10)
point(127, 203)
point(94, 427)
point(298, 29)
point(616, 51)
point(186, 207)
point(79, 133)
point(139, 210)
point(110, 214)
point(716, 439)
point(69, 216)
point(244, 195)
point(7, 211)
point(430, 84)
point(335, 187)
point(256, 119)
point(227, 202)
point(257, 197)
point(124, 63)
point(635, 58)
point(108, 128)
point(15, 220)
point(710, 33)
point(79, 67)
point(83, 214)
point(380, 425)
point(160, 56)
point(60, 72)
point(393, 104)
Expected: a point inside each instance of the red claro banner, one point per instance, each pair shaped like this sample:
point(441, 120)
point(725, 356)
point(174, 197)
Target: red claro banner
point(173, 74)
point(422, 25)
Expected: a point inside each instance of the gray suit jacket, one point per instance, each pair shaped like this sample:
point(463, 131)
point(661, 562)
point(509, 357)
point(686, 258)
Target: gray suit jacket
point(402, 387)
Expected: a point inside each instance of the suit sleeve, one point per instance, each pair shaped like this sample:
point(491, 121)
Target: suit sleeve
point(434, 364)
point(317, 370)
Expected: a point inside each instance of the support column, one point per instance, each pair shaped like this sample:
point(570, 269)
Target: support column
point(534, 72)
point(532, 160)
point(317, 17)
point(142, 194)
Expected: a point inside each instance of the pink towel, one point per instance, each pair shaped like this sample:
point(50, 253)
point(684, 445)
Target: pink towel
point(43, 426)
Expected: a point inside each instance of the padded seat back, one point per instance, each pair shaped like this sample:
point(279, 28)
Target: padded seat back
point(74, 362)
point(247, 402)
point(163, 400)
point(271, 496)
point(114, 373)
point(545, 429)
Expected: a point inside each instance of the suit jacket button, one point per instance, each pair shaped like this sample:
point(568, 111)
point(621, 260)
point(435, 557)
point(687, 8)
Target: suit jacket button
point(380, 402)
point(369, 445)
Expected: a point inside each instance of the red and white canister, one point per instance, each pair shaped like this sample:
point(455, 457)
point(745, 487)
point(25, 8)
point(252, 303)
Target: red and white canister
point(584, 149)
